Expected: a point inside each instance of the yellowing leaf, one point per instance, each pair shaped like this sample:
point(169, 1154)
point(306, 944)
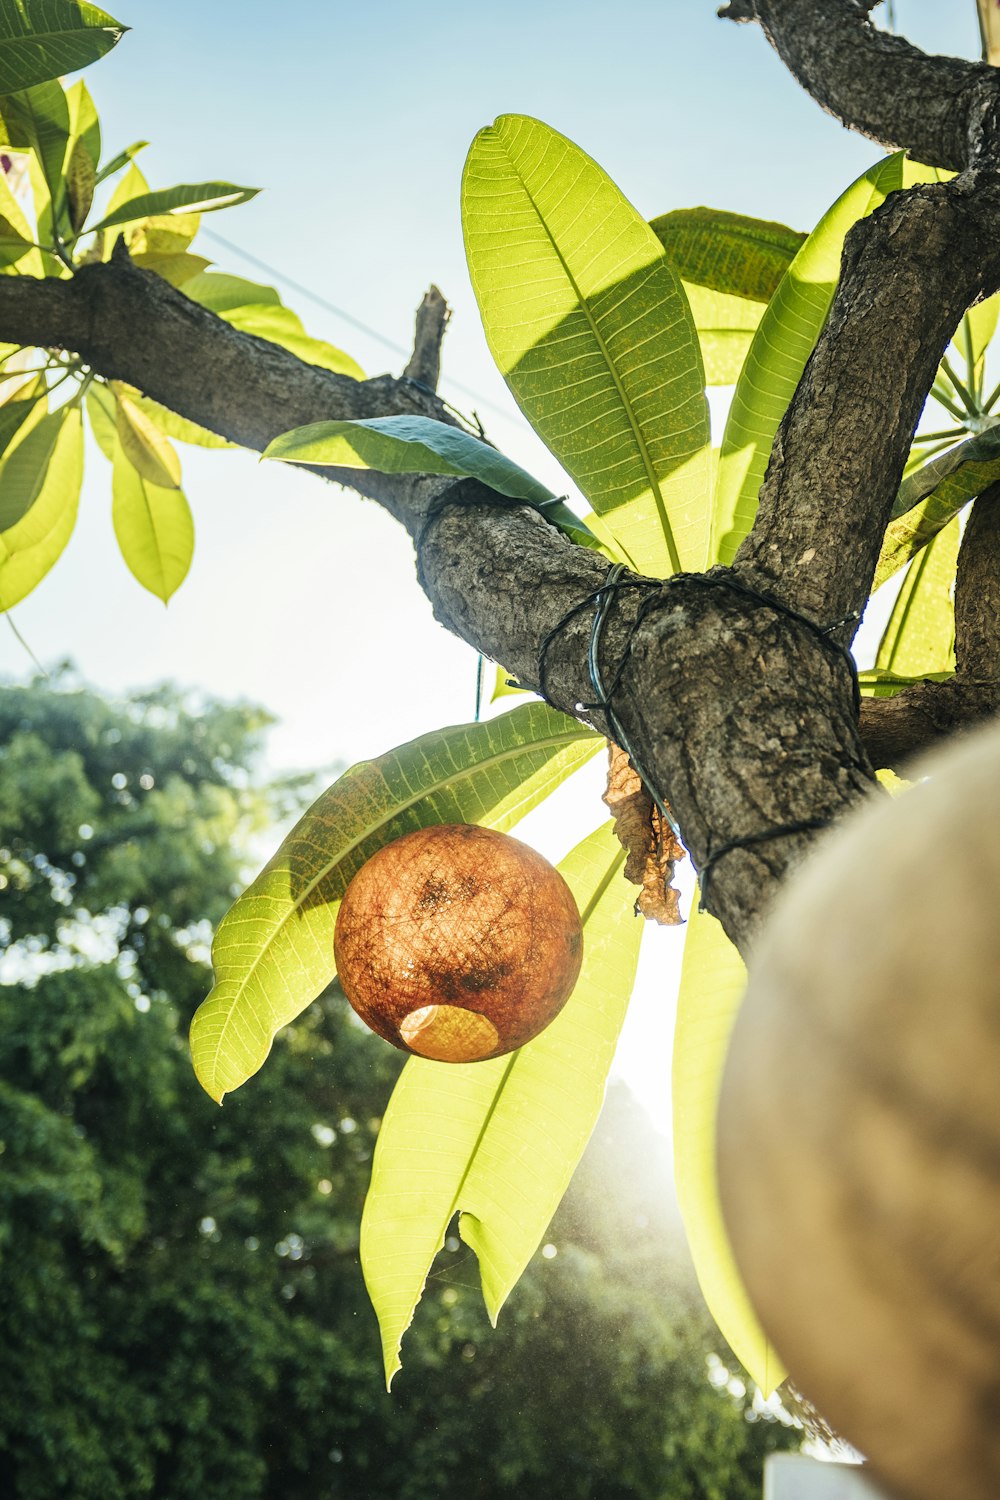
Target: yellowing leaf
point(498, 1141)
point(144, 445)
point(154, 529)
point(712, 983)
point(54, 473)
point(273, 951)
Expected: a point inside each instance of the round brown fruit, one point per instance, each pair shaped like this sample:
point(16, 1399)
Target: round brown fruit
point(458, 943)
point(859, 1129)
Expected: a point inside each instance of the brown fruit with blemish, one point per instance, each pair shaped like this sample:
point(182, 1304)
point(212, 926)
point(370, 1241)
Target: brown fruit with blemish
point(458, 943)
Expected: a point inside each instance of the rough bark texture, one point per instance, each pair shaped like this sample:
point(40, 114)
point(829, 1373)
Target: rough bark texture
point(740, 712)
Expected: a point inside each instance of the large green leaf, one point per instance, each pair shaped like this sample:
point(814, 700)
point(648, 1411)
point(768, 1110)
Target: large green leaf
point(875, 683)
point(981, 452)
point(728, 252)
point(781, 347)
point(920, 635)
point(83, 154)
point(177, 427)
point(726, 325)
point(712, 983)
point(591, 329)
point(15, 416)
point(38, 121)
point(273, 952)
point(16, 234)
point(498, 1141)
point(42, 39)
point(279, 325)
point(30, 547)
point(419, 445)
point(153, 526)
point(186, 198)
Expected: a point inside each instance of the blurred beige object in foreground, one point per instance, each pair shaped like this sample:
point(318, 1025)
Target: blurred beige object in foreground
point(989, 27)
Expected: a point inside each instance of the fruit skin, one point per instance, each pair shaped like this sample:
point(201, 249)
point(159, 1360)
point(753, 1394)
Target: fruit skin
point(464, 920)
point(859, 1129)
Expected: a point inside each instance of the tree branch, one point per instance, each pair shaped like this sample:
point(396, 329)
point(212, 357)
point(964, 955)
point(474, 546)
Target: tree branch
point(875, 83)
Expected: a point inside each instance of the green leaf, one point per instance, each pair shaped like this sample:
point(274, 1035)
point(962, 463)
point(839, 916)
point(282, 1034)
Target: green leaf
point(273, 952)
point(199, 197)
point(30, 547)
point(591, 330)
point(101, 411)
point(406, 445)
point(980, 323)
point(18, 234)
point(154, 529)
point(279, 325)
point(163, 234)
point(879, 684)
point(49, 38)
point(221, 293)
point(144, 444)
point(728, 252)
point(920, 634)
point(132, 186)
point(121, 160)
point(14, 415)
point(498, 1141)
point(25, 469)
point(712, 983)
point(420, 445)
point(38, 121)
point(954, 481)
point(83, 153)
point(177, 427)
point(726, 326)
point(177, 267)
point(783, 343)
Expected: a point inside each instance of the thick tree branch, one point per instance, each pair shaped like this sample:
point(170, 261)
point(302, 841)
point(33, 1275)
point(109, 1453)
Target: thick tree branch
point(741, 714)
point(875, 83)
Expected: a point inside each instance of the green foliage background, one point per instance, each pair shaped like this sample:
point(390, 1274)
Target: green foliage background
point(183, 1312)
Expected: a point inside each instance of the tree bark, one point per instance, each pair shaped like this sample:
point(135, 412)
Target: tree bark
point(733, 688)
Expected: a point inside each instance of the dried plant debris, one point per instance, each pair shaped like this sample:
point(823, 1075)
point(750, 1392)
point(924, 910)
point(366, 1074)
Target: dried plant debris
point(652, 847)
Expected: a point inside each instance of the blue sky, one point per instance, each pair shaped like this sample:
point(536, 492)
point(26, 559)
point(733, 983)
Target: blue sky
point(355, 119)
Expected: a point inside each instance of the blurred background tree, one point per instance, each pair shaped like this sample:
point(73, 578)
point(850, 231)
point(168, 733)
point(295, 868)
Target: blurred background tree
point(182, 1312)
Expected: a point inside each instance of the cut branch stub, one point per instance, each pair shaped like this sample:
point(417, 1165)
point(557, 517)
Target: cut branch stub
point(458, 943)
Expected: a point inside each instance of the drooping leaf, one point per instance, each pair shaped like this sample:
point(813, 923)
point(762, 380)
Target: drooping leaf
point(30, 547)
point(177, 427)
point(920, 634)
point(781, 347)
point(726, 326)
point(144, 445)
point(273, 952)
point(728, 252)
point(14, 417)
point(591, 330)
point(197, 197)
point(101, 411)
point(498, 1141)
point(712, 983)
point(279, 325)
point(408, 445)
point(154, 528)
point(49, 38)
point(222, 293)
point(25, 469)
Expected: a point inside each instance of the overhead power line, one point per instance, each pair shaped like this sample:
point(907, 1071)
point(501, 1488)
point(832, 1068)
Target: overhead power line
point(340, 312)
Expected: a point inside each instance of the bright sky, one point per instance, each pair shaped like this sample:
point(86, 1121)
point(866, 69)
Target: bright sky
point(355, 119)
